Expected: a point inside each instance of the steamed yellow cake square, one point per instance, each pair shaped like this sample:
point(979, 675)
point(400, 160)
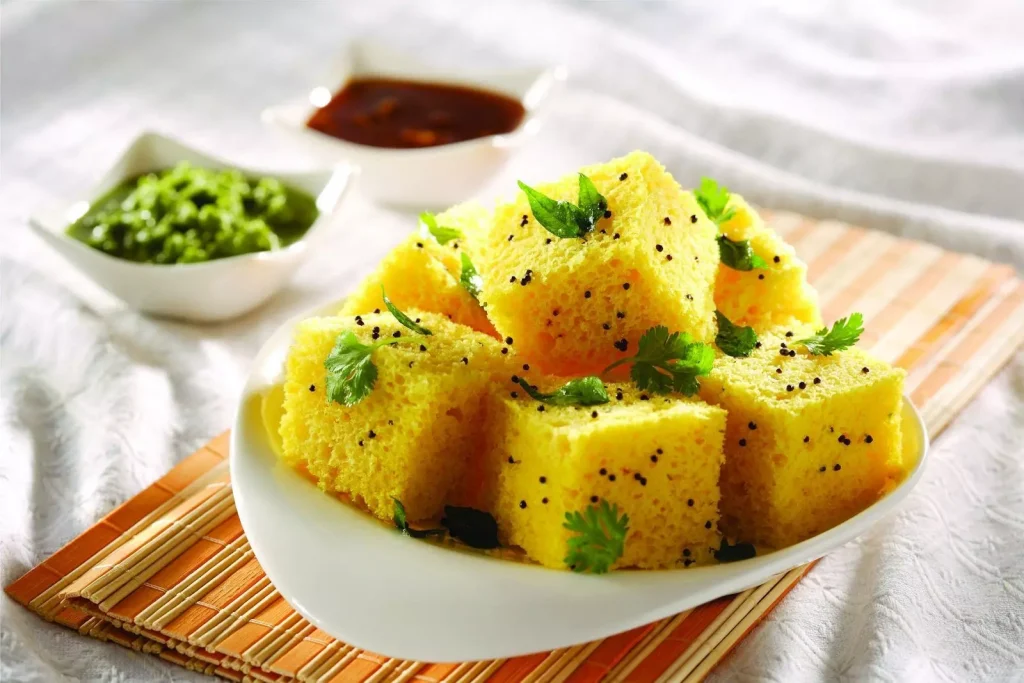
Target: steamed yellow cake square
point(658, 460)
point(410, 438)
point(811, 440)
point(775, 295)
point(575, 305)
point(421, 273)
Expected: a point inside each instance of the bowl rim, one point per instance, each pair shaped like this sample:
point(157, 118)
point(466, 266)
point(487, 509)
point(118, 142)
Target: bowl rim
point(545, 79)
point(334, 182)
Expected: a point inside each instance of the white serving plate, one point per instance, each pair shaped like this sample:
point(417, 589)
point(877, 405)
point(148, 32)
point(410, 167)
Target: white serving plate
point(213, 290)
point(379, 590)
point(427, 177)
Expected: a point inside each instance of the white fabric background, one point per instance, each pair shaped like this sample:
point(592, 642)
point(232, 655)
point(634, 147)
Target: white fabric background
point(900, 115)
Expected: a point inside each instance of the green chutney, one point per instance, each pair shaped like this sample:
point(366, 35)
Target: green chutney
point(188, 214)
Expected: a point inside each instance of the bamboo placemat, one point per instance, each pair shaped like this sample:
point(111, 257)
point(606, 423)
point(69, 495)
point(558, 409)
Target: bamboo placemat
point(170, 572)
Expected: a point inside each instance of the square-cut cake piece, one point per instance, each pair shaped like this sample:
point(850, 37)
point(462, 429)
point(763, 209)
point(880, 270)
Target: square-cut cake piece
point(811, 440)
point(763, 298)
point(422, 273)
point(574, 305)
point(657, 459)
point(411, 436)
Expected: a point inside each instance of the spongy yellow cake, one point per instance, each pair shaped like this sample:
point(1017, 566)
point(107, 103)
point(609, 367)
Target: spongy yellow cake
point(420, 273)
point(775, 295)
point(658, 460)
point(778, 446)
point(575, 305)
point(411, 436)
point(811, 440)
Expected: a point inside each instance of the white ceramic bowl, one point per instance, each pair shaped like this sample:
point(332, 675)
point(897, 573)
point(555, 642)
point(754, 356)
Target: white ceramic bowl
point(376, 589)
point(428, 177)
point(214, 290)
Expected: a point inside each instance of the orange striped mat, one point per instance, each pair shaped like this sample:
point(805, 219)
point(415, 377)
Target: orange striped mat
point(170, 571)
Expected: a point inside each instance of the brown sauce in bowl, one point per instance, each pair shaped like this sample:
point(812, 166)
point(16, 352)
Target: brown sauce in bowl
point(381, 112)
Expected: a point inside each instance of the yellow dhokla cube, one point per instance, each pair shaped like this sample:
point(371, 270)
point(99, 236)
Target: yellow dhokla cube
point(575, 305)
point(763, 298)
point(811, 440)
point(420, 273)
point(658, 460)
point(410, 438)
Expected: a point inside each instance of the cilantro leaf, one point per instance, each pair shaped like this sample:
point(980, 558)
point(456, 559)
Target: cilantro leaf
point(475, 528)
point(402, 317)
point(734, 340)
point(440, 233)
point(845, 333)
point(402, 524)
point(470, 278)
point(351, 373)
point(668, 362)
point(738, 255)
point(714, 199)
point(599, 538)
point(735, 552)
point(585, 391)
point(399, 517)
point(565, 219)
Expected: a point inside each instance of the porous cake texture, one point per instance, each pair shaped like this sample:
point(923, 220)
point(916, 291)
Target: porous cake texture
point(763, 298)
point(657, 458)
point(574, 305)
point(811, 440)
point(410, 438)
point(420, 273)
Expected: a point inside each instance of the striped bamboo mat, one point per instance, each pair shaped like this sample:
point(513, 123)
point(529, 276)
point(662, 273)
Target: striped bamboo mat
point(171, 573)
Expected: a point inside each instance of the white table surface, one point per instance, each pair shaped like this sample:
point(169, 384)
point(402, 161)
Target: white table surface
point(878, 113)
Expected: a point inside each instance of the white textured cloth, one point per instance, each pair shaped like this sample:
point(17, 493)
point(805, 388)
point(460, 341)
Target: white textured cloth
point(916, 116)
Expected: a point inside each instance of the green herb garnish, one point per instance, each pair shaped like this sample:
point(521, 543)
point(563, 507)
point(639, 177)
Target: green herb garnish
point(845, 333)
point(565, 219)
point(739, 255)
point(402, 317)
point(351, 373)
point(714, 199)
point(736, 552)
point(470, 279)
point(734, 340)
point(668, 362)
point(402, 524)
point(442, 234)
point(473, 527)
point(599, 538)
point(585, 391)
